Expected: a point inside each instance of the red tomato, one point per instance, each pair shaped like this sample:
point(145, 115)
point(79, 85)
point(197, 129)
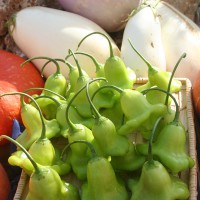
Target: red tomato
point(4, 183)
point(13, 78)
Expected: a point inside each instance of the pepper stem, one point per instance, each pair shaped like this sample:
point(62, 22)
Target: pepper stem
point(23, 149)
point(177, 114)
point(97, 114)
point(150, 154)
point(69, 122)
point(93, 152)
point(146, 62)
point(107, 86)
point(109, 42)
point(45, 89)
point(96, 63)
point(172, 75)
point(47, 58)
point(77, 63)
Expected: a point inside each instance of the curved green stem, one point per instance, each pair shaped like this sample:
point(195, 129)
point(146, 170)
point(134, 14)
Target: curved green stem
point(109, 42)
point(47, 58)
point(48, 97)
point(146, 62)
point(107, 86)
point(172, 75)
point(43, 133)
point(177, 114)
point(97, 114)
point(23, 149)
point(150, 154)
point(69, 122)
point(77, 63)
point(45, 89)
point(93, 152)
point(96, 63)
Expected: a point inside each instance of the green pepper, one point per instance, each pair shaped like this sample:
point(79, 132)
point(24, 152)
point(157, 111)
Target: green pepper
point(45, 183)
point(81, 102)
point(136, 109)
point(75, 117)
point(131, 161)
point(102, 183)
point(105, 133)
point(79, 155)
point(159, 78)
point(155, 182)
point(48, 104)
point(169, 146)
point(31, 118)
point(19, 158)
point(55, 82)
point(114, 68)
point(99, 66)
point(146, 128)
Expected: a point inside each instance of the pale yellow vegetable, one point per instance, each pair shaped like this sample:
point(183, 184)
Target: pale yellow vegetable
point(180, 35)
point(42, 31)
point(144, 31)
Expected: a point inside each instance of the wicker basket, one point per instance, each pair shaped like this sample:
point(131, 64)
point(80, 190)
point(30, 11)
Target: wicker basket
point(186, 116)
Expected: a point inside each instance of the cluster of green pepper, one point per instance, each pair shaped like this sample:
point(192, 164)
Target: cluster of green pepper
point(86, 126)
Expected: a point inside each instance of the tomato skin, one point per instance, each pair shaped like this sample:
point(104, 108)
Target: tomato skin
point(4, 183)
point(14, 77)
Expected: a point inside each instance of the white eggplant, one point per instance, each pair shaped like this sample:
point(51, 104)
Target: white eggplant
point(41, 31)
point(144, 31)
point(109, 14)
point(180, 35)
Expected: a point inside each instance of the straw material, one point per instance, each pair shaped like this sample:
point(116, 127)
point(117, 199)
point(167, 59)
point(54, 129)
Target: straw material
point(186, 116)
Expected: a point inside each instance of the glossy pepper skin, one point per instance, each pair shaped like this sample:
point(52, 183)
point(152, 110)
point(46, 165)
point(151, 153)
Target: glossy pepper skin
point(169, 147)
point(45, 183)
point(19, 158)
point(131, 161)
point(56, 81)
point(79, 155)
point(137, 110)
point(159, 78)
point(114, 67)
point(33, 126)
point(98, 187)
point(74, 116)
point(155, 183)
point(105, 134)
point(81, 102)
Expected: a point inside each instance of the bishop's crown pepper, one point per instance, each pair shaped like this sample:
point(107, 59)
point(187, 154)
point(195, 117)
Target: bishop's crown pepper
point(159, 78)
point(169, 146)
point(42, 150)
point(81, 102)
point(114, 68)
point(136, 109)
point(99, 72)
point(79, 155)
point(55, 82)
point(105, 133)
point(155, 182)
point(146, 128)
point(102, 183)
point(45, 183)
point(33, 125)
